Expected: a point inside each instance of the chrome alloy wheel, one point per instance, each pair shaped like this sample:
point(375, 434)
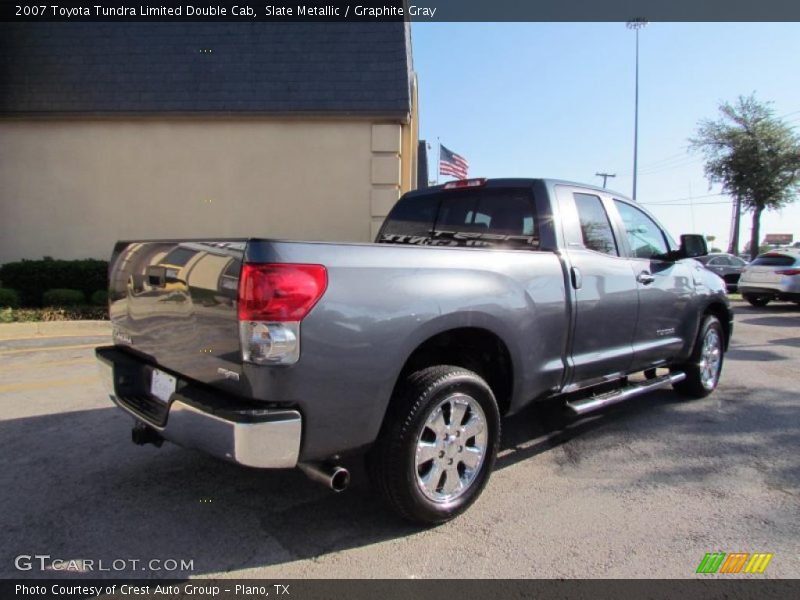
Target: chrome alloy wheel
point(710, 359)
point(451, 448)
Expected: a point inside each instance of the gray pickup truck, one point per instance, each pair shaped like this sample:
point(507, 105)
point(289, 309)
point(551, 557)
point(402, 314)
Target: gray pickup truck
point(478, 298)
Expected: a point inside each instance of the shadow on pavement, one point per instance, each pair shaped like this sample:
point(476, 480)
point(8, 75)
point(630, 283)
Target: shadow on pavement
point(795, 342)
point(779, 314)
point(738, 353)
point(73, 486)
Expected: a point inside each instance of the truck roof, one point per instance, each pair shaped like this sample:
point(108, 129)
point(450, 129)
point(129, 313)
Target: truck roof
point(498, 182)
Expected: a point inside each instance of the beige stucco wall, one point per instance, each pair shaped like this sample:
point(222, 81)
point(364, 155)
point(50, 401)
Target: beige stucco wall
point(69, 188)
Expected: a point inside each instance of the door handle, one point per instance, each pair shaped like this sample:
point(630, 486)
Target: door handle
point(575, 276)
point(645, 278)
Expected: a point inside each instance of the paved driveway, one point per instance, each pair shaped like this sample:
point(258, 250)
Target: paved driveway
point(643, 490)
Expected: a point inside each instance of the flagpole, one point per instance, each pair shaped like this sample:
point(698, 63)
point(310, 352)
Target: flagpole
point(438, 160)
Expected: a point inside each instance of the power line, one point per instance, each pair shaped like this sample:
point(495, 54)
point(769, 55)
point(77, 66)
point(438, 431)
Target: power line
point(728, 202)
point(665, 164)
point(666, 159)
point(670, 167)
point(655, 166)
point(686, 198)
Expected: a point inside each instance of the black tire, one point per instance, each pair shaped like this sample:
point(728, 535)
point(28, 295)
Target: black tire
point(756, 299)
point(392, 461)
point(698, 383)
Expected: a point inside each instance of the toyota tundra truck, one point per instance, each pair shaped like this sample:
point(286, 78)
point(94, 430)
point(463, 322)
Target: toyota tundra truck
point(478, 298)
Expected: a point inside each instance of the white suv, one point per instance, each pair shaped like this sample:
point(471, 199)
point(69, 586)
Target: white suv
point(774, 275)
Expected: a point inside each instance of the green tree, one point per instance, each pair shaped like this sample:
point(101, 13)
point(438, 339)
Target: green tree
point(754, 155)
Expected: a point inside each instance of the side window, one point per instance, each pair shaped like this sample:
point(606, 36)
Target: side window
point(737, 262)
point(595, 226)
point(645, 237)
point(720, 261)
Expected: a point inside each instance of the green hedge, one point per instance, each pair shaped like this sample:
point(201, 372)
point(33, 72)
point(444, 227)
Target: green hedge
point(75, 313)
point(9, 298)
point(62, 297)
point(30, 278)
point(100, 298)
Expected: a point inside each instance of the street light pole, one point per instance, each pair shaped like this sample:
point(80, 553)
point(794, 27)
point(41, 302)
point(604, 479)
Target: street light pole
point(636, 25)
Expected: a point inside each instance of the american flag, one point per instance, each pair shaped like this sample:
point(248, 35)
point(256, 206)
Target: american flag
point(453, 164)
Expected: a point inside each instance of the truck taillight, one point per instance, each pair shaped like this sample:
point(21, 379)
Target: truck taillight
point(273, 299)
point(788, 272)
point(279, 292)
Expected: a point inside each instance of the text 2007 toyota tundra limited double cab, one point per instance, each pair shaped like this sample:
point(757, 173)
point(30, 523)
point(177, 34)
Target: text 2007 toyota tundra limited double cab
point(480, 297)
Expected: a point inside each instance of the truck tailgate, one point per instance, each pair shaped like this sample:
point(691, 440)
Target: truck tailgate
point(175, 301)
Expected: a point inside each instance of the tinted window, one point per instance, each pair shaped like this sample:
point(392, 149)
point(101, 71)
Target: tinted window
point(460, 212)
point(412, 216)
point(507, 213)
point(595, 226)
point(486, 218)
point(720, 261)
point(773, 260)
point(645, 237)
point(737, 262)
point(478, 218)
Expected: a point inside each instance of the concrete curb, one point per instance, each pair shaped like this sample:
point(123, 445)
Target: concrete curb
point(45, 329)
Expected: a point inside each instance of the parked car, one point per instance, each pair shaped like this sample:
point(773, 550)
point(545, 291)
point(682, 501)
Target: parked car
point(727, 266)
point(480, 297)
point(774, 275)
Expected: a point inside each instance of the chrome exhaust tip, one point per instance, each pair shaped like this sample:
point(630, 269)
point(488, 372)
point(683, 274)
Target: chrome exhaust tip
point(332, 476)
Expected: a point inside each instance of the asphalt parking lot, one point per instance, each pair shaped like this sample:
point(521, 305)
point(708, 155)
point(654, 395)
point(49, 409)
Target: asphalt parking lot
point(642, 490)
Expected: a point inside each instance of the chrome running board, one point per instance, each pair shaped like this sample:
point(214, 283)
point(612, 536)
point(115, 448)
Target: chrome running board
point(585, 405)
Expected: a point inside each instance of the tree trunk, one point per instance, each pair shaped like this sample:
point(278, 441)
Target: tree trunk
point(755, 232)
point(733, 244)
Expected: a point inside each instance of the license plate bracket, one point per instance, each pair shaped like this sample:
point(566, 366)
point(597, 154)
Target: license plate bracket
point(162, 385)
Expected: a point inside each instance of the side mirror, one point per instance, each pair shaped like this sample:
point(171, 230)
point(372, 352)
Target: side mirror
point(693, 245)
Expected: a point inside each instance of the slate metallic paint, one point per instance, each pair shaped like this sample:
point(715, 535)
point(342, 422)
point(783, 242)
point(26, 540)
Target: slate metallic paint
point(381, 303)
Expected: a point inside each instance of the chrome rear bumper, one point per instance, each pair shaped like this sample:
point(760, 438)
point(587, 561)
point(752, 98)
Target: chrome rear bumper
point(263, 438)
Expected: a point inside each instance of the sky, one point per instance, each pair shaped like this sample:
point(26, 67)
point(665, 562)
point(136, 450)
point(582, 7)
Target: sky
point(557, 100)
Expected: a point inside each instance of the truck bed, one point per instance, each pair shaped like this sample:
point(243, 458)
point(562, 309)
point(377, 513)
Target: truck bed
point(174, 304)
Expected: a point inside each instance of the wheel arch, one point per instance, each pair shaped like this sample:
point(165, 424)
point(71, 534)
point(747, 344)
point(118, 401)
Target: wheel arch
point(477, 349)
point(723, 313)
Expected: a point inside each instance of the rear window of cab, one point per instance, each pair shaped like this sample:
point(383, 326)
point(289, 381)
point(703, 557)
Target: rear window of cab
point(482, 218)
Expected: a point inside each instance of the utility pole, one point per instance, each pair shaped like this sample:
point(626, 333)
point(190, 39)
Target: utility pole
point(605, 176)
point(636, 25)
